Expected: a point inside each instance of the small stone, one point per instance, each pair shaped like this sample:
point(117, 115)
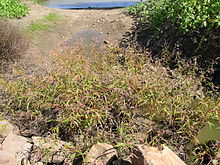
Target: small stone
point(17, 147)
point(58, 158)
point(100, 154)
point(52, 146)
point(143, 155)
point(25, 162)
point(7, 158)
point(15, 144)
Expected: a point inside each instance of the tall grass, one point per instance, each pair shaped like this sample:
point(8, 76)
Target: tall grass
point(101, 99)
point(13, 43)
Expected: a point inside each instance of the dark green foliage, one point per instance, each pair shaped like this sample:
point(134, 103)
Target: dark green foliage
point(184, 14)
point(184, 29)
point(12, 9)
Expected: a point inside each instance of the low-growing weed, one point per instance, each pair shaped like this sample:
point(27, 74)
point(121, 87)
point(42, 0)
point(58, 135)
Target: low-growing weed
point(103, 100)
point(45, 24)
point(187, 29)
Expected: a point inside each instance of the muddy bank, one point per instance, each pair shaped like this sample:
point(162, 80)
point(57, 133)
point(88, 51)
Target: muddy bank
point(109, 25)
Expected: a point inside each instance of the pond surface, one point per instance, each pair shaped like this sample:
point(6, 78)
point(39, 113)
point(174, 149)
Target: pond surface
point(89, 41)
point(85, 4)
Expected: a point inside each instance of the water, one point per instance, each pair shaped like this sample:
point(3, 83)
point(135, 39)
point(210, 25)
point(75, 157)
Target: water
point(83, 4)
point(90, 41)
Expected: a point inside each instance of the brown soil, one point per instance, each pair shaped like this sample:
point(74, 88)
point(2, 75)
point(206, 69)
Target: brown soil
point(110, 24)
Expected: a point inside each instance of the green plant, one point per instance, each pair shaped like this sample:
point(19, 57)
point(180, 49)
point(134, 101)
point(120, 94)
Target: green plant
point(40, 2)
point(185, 29)
point(185, 15)
point(12, 9)
point(102, 99)
point(44, 24)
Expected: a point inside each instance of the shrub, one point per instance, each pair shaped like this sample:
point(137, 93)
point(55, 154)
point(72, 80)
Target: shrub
point(13, 43)
point(185, 15)
point(104, 100)
point(186, 29)
point(12, 9)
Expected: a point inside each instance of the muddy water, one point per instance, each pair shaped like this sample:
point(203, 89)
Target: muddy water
point(82, 4)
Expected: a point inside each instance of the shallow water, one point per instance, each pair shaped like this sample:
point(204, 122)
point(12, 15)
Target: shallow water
point(89, 41)
point(83, 4)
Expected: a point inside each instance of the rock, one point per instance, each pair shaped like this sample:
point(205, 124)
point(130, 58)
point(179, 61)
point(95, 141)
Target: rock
point(58, 158)
point(15, 150)
point(100, 154)
point(143, 155)
point(7, 158)
point(25, 162)
point(53, 144)
point(39, 163)
point(15, 144)
point(5, 128)
point(54, 150)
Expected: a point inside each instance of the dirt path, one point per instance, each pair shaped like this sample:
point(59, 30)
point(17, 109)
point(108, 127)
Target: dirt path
point(105, 25)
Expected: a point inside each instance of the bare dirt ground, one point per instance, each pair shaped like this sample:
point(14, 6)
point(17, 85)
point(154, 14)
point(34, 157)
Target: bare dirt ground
point(108, 25)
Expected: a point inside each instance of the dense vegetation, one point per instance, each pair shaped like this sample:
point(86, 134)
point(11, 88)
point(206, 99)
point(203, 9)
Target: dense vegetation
point(109, 99)
point(186, 29)
point(186, 15)
point(12, 9)
point(13, 42)
point(126, 98)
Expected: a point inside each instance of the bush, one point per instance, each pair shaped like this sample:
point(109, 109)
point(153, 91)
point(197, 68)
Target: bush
point(13, 43)
point(184, 29)
point(109, 99)
point(184, 14)
point(12, 9)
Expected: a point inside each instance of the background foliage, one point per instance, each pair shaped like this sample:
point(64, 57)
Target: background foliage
point(187, 29)
point(12, 9)
point(187, 15)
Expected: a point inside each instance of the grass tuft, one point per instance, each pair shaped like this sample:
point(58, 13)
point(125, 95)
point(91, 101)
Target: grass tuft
point(13, 43)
